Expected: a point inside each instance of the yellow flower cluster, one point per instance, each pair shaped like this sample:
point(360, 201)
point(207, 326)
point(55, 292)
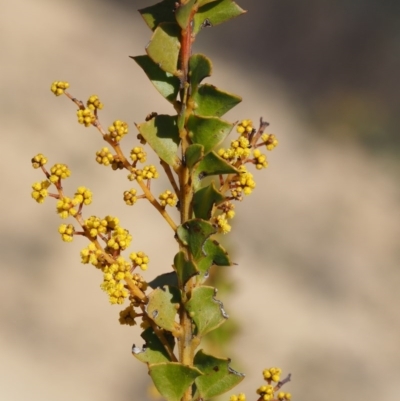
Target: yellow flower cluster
point(270, 141)
point(86, 117)
point(94, 103)
point(117, 131)
point(139, 259)
point(96, 226)
point(127, 316)
point(130, 197)
point(120, 239)
point(168, 198)
point(268, 392)
point(239, 150)
point(138, 154)
point(40, 192)
point(58, 87)
point(239, 397)
point(104, 156)
point(84, 195)
point(260, 159)
point(222, 223)
point(38, 161)
point(58, 172)
point(273, 374)
point(242, 184)
point(91, 254)
point(67, 232)
point(147, 173)
point(113, 275)
point(66, 207)
point(245, 127)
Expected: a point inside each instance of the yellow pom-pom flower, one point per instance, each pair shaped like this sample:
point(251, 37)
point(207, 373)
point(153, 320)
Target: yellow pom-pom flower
point(91, 255)
point(94, 103)
point(270, 141)
point(127, 316)
point(83, 195)
point(67, 232)
point(117, 131)
point(58, 172)
point(40, 192)
point(138, 155)
point(104, 156)
point(58, 87)
point(139, 259)
point(260, 159)
point(86, 117)
point(95, 226)
point(168, 198)
point(245, 127)
point(130, 197)
point(38, 161)
point(66, 207)
point(120, 239)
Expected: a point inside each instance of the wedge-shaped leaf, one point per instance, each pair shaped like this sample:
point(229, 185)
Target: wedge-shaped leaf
point(164, 279)
point(194, 153)
point(162, 134)
point(208, 131)
point(212, 164)
point(153, 350)
point(215, 254)
point(159, 13)
point(167, 84)
point(218, 377)
point(200, 67)
point(164, 47)
point(215, 13)
point(193, 234)
point(185, 269)
point(163, 306)
point(211, 101)
point(183, 14)
point(206, 312)
point(204, 200)
point(172, 379)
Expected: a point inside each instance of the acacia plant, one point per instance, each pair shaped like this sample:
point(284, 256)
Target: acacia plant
point(176, 309)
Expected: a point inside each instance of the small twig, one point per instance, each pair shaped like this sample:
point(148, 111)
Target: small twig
point(282, 382)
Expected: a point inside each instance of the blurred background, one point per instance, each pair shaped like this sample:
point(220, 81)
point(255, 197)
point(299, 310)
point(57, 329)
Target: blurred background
point(316, 245)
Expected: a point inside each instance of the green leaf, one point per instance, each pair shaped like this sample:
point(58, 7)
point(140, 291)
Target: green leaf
point(153, 350)
point(172, 379)
point(194, 153)
point(183, 14)
point(200, 67)
point(163, 306)
point(193, 234)
point(164, 47)
point(162, 134)
point(208, 131)
point(184, 268)
point(215, 254)
point(164, 279)
point(218, 377)
point(212, 164)
point(211, 101)
point(206, 312)
point(203, 2)
point(167, 84)
point(215, 13)
point(159, 13)
point(204, 200)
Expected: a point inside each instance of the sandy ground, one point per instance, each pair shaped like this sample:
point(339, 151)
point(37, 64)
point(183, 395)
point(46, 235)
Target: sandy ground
point(316, 244)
